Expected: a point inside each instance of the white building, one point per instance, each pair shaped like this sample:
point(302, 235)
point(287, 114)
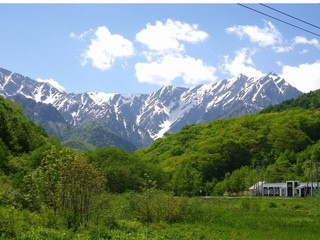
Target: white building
point(287, 189)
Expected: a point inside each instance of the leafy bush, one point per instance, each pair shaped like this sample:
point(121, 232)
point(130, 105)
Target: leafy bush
point(272, 205)
point(68, 183)
point(155, 206)
point(248, 204)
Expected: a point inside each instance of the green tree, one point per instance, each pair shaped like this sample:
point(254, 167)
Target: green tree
point(68, 183)
point(283, 168)
point(286, 137)
point(237, 182)
point(81, 182)
point(186, 180)
point(123, 170)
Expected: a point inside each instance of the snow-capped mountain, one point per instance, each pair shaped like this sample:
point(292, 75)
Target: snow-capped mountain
point(142, 118)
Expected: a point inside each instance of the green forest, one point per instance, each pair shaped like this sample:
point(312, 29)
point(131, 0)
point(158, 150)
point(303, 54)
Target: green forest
point(172, 189)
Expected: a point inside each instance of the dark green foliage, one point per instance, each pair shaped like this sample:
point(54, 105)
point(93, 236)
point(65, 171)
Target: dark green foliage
point(4, 153)
point(18, 133)
point(123, 171)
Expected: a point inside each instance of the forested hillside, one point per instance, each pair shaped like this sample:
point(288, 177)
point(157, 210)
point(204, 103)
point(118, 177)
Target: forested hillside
point(93, 135)
point(199, 157)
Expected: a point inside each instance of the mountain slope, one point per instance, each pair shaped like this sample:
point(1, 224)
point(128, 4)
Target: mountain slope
point(84, 137)
point(93, 135)
point(44, 115)
point(142, 118)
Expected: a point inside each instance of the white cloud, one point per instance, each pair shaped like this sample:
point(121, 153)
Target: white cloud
point(267, 36)
point(166, 60)
point(242, 63)
point(305, 77)
point(298, 40)
point(303, 40)
point(105, 48)
point(170, 35)
point(52, 82)
point(282, 49)
point(81, 36)
point(304, 51)
point(168, 68)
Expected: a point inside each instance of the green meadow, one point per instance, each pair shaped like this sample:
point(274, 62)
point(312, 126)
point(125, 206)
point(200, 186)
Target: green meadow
point(221, 218)
point(159, 215)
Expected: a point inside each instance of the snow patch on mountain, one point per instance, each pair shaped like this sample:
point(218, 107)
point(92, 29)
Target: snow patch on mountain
point(52, 82)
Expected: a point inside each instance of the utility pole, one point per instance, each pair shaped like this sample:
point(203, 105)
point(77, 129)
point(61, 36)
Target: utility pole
point(316, 178)
point(260, 178)
point(313, 176)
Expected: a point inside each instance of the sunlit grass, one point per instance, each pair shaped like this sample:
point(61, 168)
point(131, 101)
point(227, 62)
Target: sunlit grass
point(232, 218)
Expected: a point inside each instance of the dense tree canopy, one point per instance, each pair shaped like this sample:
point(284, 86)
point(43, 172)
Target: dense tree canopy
point(214, 149)
point(123, 171)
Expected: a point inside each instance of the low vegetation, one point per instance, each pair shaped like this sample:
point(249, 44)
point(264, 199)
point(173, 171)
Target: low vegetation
point(159, 215)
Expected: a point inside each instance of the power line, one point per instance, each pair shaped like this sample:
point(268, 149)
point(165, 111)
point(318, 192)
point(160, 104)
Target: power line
point(278, 19)
point(290, 15)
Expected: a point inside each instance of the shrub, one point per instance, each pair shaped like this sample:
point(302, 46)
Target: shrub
point(154, 206)
point(272, 205)
point(249, 204)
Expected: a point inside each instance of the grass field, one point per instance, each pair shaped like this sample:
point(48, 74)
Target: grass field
point(228, 218)
point(163, 216)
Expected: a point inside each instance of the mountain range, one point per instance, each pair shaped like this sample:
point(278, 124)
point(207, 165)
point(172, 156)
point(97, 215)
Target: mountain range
point(136, 120)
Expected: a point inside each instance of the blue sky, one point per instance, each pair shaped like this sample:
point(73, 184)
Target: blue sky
point(137, 48)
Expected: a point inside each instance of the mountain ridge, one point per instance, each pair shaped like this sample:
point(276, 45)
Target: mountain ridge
point(142, 118)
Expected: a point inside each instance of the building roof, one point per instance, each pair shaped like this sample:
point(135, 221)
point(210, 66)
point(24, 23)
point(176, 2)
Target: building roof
point(309, 184)
point(257, 185)
point(282, 185)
